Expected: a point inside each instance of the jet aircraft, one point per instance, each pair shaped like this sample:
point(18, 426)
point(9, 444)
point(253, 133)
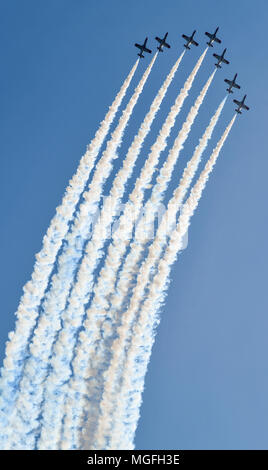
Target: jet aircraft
point(162, 42)
point(221, 59)
point(232, 84)
point(241, 105)
point(212, 38)
point(143, 48)
point(190, 40)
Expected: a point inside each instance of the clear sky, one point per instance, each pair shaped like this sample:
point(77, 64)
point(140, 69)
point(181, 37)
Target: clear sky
point(62, 61)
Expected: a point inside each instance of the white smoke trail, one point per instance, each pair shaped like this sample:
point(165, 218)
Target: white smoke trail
point(117, 250)
point(133, 258)
point(106, 286)
point(137, 357)
point(58, 297)
point(40, 349)
point(111, 204)
point(34, 290)
point(152, 205)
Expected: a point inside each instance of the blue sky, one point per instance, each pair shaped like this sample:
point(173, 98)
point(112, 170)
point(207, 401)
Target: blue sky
point(62, 61)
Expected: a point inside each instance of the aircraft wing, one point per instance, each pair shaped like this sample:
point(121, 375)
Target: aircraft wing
point(166, 45)
point(236, 86)
point(194, 43)
point(158, 39)
point(139, 46)
point(147, 50)
point(244, 106)
point(186, 37)
point(217, 40)
point(218, 57)
point(209, 35)
point(225, 61)
point(237, 102)
point(228, 81)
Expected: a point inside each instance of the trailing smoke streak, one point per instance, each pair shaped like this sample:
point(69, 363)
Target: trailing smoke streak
point(50, 319)
point(117, 250)
point(99, 304)
point(138, 244)
point(36, 367)
point(144, 329)
point(60, 368)
point(34, 289)
point(109, 210)
point(80, 359)
point(130, 265)
point(132, 261)
point(123, 400)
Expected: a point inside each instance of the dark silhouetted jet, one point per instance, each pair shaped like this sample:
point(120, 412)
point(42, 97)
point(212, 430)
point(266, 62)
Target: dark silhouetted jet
point(162, 43)
point(143, 48)
point(221, 59)
point(212, 37)
point(241, 105)
point(190, 40)
point(232, 84)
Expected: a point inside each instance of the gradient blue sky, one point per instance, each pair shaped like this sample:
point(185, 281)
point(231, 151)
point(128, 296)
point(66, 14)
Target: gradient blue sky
point(62, 61)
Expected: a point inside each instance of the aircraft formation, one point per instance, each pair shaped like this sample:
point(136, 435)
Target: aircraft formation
point(191, 41)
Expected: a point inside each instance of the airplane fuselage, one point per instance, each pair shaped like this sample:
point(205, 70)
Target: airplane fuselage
point(241, 105)
point(143, 48)
point(162, 43)
point(189, 40)
point(232, 84)
point(210, 42)
point(212, 38)
point(220, 59)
